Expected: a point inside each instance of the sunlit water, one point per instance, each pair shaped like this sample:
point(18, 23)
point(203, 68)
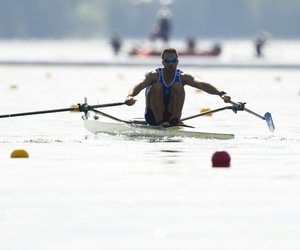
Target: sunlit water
point(84, 191)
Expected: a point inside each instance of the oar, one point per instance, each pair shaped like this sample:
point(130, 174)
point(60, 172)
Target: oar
point(107, 105)
point(115, 118)
point(267, 116)
point(81, 107)
point(135, 121)
point(206, 113)
point(238, 107)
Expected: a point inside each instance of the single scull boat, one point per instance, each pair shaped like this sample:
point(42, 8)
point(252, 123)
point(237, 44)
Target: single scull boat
point(140, 130)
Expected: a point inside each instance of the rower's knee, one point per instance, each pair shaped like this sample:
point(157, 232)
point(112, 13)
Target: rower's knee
point(155, 91)
point(178, 90)
point(156, 88)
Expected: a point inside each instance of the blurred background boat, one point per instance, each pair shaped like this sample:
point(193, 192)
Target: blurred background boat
point(145, 52)
point(236, 53)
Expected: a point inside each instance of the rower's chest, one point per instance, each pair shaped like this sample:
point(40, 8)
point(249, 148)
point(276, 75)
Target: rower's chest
point(169, 78)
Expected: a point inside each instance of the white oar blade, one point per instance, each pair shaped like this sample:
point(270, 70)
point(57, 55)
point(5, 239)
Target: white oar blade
point(269, 120)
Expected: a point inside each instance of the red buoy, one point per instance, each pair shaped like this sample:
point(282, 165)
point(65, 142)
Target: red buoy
point(221, 159)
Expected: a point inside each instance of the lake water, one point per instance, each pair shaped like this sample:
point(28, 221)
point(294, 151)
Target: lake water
point(84, 191)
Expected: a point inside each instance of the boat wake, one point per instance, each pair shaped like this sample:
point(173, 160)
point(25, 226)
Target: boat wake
point(39, 141)
point(273, 138)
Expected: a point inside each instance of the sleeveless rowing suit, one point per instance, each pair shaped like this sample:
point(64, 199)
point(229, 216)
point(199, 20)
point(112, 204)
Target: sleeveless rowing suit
point(149, 115)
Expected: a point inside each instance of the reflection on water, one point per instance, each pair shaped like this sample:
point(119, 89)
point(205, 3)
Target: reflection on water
point(170, 156)
point(164, 139)
point(170, 151)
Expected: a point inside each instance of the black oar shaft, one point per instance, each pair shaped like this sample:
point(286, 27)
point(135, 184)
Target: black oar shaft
point(38, 112)
point(117, 119)
point(81, 107)
point(109, 116)
point(107, 105)
point(205, 113)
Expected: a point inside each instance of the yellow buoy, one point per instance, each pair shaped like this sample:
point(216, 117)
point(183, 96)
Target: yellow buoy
point(278, 78)
point(48, 75)
point(76, 107)
point(19, 153)
point(206, 110)
point(13, 86)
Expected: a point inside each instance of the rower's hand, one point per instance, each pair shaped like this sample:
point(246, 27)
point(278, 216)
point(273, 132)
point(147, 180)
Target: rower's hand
point(130, 100)
point(226, 98)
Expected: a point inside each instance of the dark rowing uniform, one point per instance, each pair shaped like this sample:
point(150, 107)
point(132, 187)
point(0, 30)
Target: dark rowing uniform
point(149, 115)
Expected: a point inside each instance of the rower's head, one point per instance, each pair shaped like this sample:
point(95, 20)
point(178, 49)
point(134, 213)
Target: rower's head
point(169, 52)
point(169, 58)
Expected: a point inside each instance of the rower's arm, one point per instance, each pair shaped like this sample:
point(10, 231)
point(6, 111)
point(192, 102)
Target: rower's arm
point(207, 87)
point(138, 88)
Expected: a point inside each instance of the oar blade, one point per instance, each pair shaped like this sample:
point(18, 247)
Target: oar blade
point(269, 120)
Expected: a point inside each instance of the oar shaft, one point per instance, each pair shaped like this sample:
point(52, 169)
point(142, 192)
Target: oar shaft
point(107, 105)
point(206, 113)
point(253, 113)
point(116, 118)
point(81, 107)
point(38, 112)
point(248, 110)
point(109, 116)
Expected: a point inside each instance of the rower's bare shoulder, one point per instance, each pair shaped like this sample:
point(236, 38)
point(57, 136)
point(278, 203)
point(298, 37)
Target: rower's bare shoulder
point(151, 76)
point(187, 78)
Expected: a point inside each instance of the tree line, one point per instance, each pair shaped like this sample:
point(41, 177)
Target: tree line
point(134, 18)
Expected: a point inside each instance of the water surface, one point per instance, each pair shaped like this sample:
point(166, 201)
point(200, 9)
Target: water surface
point(84, 191)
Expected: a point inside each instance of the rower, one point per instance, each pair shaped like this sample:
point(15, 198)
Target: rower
point(165, 92)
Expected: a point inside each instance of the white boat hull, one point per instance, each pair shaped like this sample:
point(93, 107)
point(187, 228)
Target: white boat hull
point(137, 130)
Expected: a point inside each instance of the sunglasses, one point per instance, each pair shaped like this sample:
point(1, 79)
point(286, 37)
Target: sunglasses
point(170, 60)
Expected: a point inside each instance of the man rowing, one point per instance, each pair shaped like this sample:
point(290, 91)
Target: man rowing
point(165, 93)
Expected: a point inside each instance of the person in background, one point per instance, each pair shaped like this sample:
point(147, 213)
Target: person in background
point(162, 29)
point(216, 49)
point(260, 42)
point(191, 42)
point(116, 43)
point(165, 92)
